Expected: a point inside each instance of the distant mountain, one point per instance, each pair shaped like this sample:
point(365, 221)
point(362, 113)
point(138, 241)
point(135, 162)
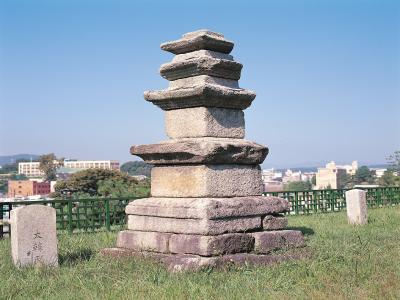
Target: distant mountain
point(9, 159)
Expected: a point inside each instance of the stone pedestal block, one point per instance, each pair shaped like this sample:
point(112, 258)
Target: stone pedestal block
point(208, 208)
point(193, 226)
point(211, 245)
point(205, 122)
point(206, 181)
point(267, 241)
point(274, 222)
point(144, 241)
point(356, 206)
point(33, 236)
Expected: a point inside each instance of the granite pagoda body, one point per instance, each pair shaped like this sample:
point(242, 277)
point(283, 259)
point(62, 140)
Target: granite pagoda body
point(206, 206)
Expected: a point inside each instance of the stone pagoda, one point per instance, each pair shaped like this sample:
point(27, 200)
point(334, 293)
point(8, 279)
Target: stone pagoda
point(206, 207)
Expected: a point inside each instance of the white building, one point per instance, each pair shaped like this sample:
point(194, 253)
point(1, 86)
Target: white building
point(332, 175)
point(31, 169)
point(91, 164)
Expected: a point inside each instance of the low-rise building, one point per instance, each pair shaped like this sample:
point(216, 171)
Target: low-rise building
point(330, 177)
point(31, 169)
point(25, 188)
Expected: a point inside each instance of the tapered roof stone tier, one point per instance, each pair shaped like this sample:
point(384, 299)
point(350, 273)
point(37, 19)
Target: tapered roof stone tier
point(199, 40)
point(202, 151)
point(207, 95)
point(203, 65)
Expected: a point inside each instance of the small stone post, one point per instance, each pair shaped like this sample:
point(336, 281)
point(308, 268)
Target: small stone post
point(356, 203)
point(34, 236)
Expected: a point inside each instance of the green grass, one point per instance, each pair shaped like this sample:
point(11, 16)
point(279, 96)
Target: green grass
point(347, 262)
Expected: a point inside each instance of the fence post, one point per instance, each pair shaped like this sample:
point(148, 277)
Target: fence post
point(296, 200)
point(1, 221)
point(107, 205)
point(70, 228)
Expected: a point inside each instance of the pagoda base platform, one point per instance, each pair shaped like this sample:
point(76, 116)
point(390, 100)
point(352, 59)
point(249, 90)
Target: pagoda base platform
point(186, 262)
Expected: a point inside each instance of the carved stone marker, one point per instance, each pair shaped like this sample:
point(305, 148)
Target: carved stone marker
point(206, 207)
point(33, 236)
point(356, 206)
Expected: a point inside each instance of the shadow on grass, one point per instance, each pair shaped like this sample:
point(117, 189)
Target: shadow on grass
point(75, 257)
point(304, 230)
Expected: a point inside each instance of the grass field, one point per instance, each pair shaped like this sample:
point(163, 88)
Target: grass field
point(347, 263)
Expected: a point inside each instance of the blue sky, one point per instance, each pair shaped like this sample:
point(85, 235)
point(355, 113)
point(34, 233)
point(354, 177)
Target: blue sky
point(326, 73)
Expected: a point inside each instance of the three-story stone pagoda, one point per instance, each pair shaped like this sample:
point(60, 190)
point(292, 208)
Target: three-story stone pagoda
point(206, 207)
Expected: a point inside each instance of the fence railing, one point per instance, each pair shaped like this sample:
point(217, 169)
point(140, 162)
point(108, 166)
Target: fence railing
point(105, 213)
point(75, 214)
point(317, 201)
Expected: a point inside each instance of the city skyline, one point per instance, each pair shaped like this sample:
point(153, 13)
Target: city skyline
point(326, 76)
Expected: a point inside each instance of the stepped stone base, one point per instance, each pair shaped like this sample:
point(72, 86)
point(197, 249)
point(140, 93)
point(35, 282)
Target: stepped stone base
point(208, 208)
point(187, 262)
point(193, 226)
point(206, 245)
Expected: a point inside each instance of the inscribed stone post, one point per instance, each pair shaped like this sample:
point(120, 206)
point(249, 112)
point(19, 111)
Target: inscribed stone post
point(33, 236)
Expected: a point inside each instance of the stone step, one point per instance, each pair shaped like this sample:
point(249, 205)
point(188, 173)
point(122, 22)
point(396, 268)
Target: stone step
point(204, 122)
point(190, 262)
point(204, 245)
point(267, 241)
point(199, 40)
point(203, 65)
point(207, 95)
point(274, 222)
point(206, 181)
point(202, 151)
point(193, 226)
point(208, 208)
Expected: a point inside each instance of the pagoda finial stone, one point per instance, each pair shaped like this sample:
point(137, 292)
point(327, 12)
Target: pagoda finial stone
point(199, 40)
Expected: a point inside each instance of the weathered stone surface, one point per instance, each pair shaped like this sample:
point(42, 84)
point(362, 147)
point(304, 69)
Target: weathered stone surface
point(206, 245)
point(356, 206)
point(143, 241)
point(193, 226)
point(206, 181)
point(203, 65)
point(271, 222)
point(267, 241)
point(201, 53)
point(205, 122)
point(207, 95)
point(207, 208)
point(198, 40)
point(185, 83)
point(202, 151)
point(33, 236)
point(189, 262)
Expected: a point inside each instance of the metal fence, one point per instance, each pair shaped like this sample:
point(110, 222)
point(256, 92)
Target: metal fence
point(75, 214)
point(322, 201)
point(104, 213)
